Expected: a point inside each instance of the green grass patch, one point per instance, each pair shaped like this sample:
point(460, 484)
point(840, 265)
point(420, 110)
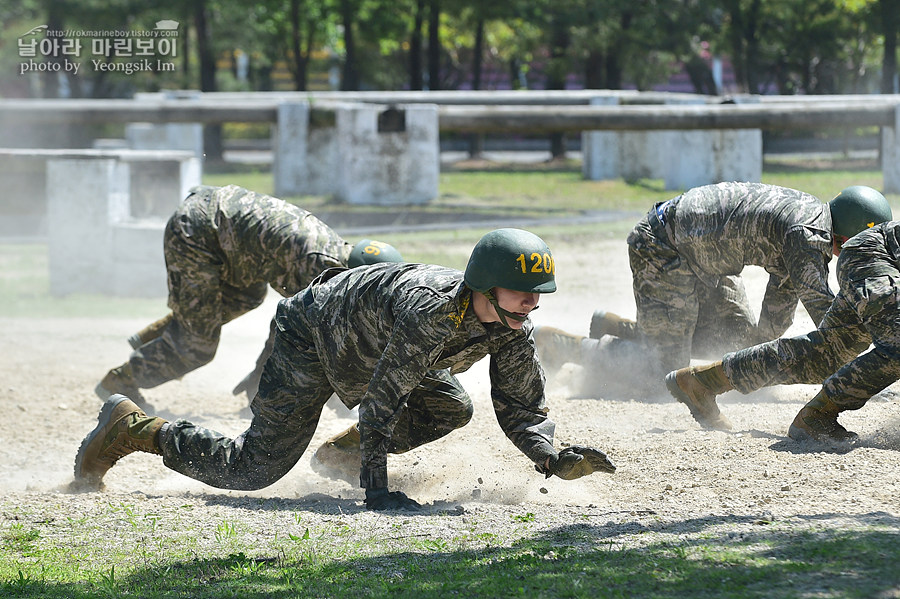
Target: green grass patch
point(570, 561)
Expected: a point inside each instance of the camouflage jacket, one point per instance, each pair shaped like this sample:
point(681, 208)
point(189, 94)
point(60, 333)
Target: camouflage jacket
point(868, 271)
point(721, 228)
point(379, 329)
point(261, 239)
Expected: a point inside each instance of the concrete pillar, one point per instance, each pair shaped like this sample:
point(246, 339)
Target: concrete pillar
point(23, 209)
point(701, 157)
point(360, 153)
point(106, 218)
point(170, 136)
point(84, 199)
point(695, 158)
point(890, 154)
point(388, 155)
point(600, 149)
point(290, 163)
point(683, 159)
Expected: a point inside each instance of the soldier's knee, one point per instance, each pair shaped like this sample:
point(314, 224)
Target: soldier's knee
point(462, 413)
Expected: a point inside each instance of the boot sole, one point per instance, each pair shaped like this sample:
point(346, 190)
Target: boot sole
point(675, 391)
point(801, 435)
point(85, 450)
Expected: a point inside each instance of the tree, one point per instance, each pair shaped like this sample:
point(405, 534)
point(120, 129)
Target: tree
point(890, 21)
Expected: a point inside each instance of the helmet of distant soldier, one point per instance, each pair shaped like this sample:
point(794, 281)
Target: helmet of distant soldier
point(513, 259)
point(370, 251)
point(857, 208)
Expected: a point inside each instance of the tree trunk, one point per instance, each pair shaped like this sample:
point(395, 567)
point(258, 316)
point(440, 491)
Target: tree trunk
point(476, 140)
point(593, 69)
point(477, 53)
point(434, 45)
point(415, 48)
point(298, 69)
point(350, 78)
point(890, 23)
point(556, 78)
point(212, 134)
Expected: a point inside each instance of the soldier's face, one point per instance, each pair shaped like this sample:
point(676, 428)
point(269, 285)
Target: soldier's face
point(836, 243)
point(518, 302)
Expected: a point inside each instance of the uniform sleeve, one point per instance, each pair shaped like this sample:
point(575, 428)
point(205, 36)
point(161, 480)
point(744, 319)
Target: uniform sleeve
point(778, 307)
point(414, 345)
point(878, 310)
point(806, 255)
point(517, 392)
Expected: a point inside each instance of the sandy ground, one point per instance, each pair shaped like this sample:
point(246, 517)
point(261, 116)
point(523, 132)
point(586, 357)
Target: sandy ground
point(670, 469)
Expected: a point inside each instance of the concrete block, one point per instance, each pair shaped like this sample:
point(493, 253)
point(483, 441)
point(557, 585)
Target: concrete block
point(359, 153)
point(683, 159)
point(890, 154)
point(694, 158)
point(137, 262)
point(389, 155)
point(106, 217)
point(290, 168)
point(186, 137)
point(24, 206)
point(600, 158)
point(83, 200)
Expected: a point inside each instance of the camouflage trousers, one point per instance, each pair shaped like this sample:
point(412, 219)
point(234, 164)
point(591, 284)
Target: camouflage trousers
point(679, 316)
point(866, 311)
point(286, 410)
point(200, 300)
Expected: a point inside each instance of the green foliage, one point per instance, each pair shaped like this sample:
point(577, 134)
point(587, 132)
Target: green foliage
point(767, 561)
point(793, 46)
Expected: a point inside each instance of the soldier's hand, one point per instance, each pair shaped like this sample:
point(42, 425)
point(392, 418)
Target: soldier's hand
point(577, 461)
point(249, 385)
point(382, 499)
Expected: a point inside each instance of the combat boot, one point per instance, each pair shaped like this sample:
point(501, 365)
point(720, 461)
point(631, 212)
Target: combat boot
point(607, 323)
point(556, 347)
point(340, 457)
point(150, 332)
point(697, 387)
point(122, 428)
point(120, 380)
point(817, 421)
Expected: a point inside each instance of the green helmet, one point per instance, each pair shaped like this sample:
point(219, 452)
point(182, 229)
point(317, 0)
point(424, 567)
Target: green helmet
point(369, 251)
point(512, 259)
point(857, 208)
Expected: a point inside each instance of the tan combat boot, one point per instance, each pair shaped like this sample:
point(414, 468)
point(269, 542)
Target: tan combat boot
point(340, 457)
point(697, 387)
point(150, 332)
point(556, 347)
point(122, 428)
point(607, 323)
point(120, 380)
point(817, 421)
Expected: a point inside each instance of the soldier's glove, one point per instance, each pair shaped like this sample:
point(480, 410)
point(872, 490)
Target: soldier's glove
point(249, 384)
point(577, 461)
point(382, 499)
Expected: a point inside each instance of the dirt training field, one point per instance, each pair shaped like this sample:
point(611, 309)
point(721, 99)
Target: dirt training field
point(673, 479)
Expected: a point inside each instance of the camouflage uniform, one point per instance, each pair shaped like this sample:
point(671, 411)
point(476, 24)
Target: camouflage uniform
point(687, 254)
point(866, 310)
point(388, 338)
point(223, 247)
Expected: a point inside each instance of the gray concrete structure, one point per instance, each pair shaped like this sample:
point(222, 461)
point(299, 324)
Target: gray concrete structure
point(890, 159)
point(682, 158)
point(166, 136)
point(359, 153)
point(105, 216)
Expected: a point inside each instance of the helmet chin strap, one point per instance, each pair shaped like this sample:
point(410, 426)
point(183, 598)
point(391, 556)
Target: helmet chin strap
point(504, 314)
